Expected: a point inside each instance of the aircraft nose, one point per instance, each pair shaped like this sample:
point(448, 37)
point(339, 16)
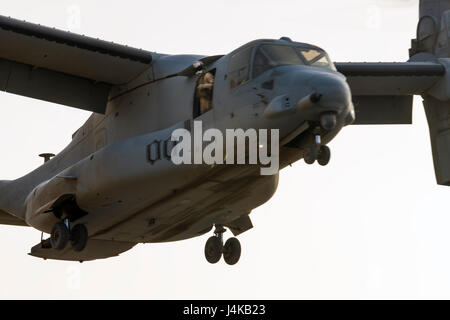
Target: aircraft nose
point(334, 92)
point(330, 101)
point(324, 95)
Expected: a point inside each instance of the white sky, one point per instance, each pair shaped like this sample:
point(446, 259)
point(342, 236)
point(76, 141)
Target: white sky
point(372, 224)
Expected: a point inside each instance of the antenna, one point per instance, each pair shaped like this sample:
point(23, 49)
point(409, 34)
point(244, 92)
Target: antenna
point(46, 156)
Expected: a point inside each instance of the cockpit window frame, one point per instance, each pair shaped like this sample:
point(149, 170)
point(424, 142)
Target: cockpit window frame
point(323, 54)
point(297, 49)
point(255, 51)
point(250, 65)
point(296, 46)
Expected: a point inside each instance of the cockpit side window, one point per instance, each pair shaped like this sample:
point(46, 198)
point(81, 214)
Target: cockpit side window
point(239, 68)
point(270, 56)
point(316, 58)
point(261, 64)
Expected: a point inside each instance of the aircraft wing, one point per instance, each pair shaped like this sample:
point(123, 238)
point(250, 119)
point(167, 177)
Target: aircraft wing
point(383, 94)
point(63, 67)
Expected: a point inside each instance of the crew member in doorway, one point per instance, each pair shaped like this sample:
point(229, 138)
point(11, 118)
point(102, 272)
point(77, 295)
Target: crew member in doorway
point(204, 91)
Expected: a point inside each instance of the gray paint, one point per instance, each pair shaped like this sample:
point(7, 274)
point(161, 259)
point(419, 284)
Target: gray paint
point(131, 197)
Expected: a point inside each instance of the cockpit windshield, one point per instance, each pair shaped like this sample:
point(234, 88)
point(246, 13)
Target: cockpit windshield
point(271, 56)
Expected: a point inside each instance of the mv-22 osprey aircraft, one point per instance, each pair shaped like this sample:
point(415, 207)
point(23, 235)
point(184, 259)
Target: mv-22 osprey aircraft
point(115, 186)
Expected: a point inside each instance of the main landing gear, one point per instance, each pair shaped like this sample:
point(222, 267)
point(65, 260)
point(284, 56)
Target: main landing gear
point(62, 233)
point(316, 151)
point(214, 248)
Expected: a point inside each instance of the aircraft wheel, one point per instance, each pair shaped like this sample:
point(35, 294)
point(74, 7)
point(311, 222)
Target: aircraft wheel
point(79, 237)
point(324, 155)
point(310, 154)
point(328, 121)
point(213, 249)
point(59, 236)
point(232, 251)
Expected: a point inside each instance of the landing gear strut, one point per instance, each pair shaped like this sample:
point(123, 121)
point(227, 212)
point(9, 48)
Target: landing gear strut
point(316, 151)
point(214, 248)
point(61, 234)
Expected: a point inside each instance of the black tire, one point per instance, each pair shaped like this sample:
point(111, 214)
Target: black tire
point(79, 237)
point(213, 249)
point(324, 156)
point(310, 154)
point(59, 236)
point(232, 251)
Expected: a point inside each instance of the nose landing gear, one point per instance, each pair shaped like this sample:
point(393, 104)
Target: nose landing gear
point(324, 155)
point(317, 152)
point(214, 248)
